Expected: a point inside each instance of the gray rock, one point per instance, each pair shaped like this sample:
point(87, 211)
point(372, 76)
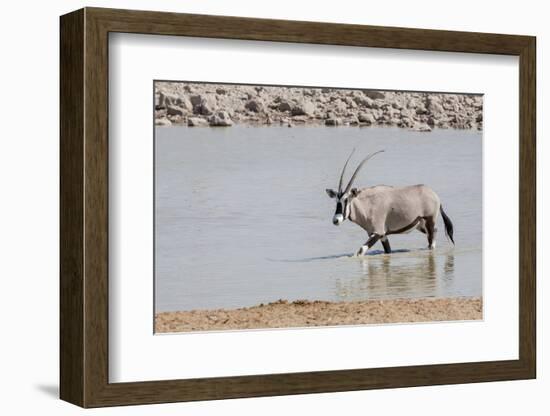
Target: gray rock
point(340, 107)
point(406, 122)
point(255, 106)
point(303, 108)
point(433, 105)
point(415, 104)
point(160, 113)
point(395, 121)
point(220, 119)
point(284, 106)
point(451, 106)
point(203, 104)
point(196, 122)
point(375, 95)
point(405, 112)
point(166, 99)
point(363, 101)
point(162, 122)
point(350, 102)
point(196, 100)
point(173, 110)
point(185, 103)
point(333, 122)
point(175, 119)
point(299, 119)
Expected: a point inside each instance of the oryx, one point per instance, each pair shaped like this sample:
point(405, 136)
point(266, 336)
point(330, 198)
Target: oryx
point(383, 210)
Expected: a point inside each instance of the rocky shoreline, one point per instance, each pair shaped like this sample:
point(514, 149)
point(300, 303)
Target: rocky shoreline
point(305, 313)
point(221, 105)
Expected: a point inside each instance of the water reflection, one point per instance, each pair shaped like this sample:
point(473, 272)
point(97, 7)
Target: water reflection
point(449, 266)
point(397, 275)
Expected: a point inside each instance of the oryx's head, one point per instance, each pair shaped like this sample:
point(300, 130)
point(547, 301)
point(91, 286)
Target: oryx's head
point(345, 195)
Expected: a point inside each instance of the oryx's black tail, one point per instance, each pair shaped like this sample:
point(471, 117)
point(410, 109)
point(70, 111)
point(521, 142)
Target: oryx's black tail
point(448, 224)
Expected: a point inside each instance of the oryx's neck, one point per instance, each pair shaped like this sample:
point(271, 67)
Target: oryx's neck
point(353, 212)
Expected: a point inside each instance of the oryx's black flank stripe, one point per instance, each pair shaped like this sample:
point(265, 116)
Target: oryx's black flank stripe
point(406, 228)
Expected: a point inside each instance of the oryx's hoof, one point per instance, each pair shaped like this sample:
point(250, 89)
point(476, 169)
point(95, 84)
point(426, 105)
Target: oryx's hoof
point(362, 251)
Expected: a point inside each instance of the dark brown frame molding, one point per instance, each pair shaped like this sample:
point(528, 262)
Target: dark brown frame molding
point(84, 218)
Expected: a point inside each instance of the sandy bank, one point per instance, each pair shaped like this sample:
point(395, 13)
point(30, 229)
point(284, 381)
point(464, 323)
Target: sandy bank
point(198, 105)
point(301, 313)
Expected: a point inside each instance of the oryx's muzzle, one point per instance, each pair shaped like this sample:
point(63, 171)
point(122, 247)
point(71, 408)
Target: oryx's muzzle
point(337, 219)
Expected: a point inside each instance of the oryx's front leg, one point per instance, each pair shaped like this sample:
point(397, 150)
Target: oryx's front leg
point(368, 244)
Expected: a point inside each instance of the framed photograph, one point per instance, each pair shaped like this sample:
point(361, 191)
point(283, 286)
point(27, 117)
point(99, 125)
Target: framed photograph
point(255, 207)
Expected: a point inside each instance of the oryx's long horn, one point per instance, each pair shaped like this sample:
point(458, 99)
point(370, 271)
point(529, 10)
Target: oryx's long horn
point(350, 183)
point(344, 171)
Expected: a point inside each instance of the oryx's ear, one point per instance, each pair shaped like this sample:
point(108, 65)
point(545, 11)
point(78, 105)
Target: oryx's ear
point(354, 192)
point(331, 193)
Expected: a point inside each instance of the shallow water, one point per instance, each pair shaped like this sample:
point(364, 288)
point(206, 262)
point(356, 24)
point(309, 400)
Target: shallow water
point(242, 217)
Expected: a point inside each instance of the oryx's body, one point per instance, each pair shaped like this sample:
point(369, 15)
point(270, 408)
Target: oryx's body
point(384, 210)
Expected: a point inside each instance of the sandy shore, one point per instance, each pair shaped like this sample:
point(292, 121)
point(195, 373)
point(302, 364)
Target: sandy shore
point(201, 105)
point(301, 313)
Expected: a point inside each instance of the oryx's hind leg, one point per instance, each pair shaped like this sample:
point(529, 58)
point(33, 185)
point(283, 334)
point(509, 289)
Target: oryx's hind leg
point(386, 244)
point(430, 231)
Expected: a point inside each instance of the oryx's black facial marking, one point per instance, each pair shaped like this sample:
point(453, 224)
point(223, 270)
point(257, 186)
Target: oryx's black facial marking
point(341, 212)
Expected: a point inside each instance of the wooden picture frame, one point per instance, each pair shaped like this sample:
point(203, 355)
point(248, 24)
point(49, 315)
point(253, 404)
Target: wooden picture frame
point(84, 207)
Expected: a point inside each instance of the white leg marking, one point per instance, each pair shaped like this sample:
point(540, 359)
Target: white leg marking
point(362, 251)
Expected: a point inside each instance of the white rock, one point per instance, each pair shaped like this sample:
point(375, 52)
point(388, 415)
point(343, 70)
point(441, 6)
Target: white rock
point(220, 119)
point(421, 128)
point(367, 118)
point(162, 122)
point(196, 122)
